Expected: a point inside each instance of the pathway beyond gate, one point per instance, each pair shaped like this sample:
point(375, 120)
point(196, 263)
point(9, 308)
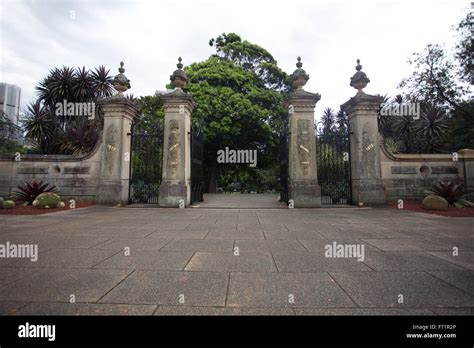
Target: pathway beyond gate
point(240, 201)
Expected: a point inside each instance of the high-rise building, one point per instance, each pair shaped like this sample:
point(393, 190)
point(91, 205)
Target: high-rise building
point(10, 101)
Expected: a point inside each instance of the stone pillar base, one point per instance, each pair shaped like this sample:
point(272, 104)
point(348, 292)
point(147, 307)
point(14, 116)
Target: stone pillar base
point(305, 193)
point(370, 192)
point(112, 192)
point(172, 192)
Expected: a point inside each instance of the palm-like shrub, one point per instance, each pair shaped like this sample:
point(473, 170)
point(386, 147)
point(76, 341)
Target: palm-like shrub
point(29, 191)
point(454, 192)
point(433, 128)
point(39, 126)
point(428, 134)
point(391, 145)
point(328, 122)
point(65, 134)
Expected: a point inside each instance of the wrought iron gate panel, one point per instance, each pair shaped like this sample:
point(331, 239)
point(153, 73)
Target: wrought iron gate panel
point(334, 168)
point(146, 156)
point(197, 165)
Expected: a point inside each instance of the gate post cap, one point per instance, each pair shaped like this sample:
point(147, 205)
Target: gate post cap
point(360, 80)
point(179, 78)
point(121, 83)
point(299, 76)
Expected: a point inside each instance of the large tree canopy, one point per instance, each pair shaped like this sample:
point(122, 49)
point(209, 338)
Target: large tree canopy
point(438, 83)
point(239, 95)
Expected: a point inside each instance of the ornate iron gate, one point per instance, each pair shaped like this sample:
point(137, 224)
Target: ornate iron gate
point(334, 168)
point(284, 161)
point(197, 165)
point(146, 156)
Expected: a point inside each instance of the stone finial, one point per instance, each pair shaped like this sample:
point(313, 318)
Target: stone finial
point(299, 76)
point(120, 81)
point(179, 77)
point(360, 79)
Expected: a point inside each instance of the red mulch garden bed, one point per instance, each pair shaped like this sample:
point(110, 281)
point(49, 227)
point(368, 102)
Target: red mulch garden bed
point(451, 212)
point(30, 210)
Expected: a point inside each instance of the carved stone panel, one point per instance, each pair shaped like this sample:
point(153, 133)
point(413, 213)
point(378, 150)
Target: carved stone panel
point(444, 170)
point(174, 149)
point(111, 136)
point(303, 143)
point(403, 170)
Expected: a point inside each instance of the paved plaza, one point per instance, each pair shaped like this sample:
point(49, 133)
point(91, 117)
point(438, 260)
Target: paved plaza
point(200, 261)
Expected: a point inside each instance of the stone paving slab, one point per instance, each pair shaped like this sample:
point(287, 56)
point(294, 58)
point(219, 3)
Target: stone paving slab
point(285, 290)
point(134, 244)
point(353, 232)
point(46, 242)
point(405, 244)
point(319, 245)
point(228, 262)
point(266, 246)
point(10, 308)
point(147, 260)
point(9, 275)
point(57, 308)
point(221, 311)
point(106, 232)
point(290, 235)
point(382, 289)
point(464, 258)
point(460, 243)
point(454, 311)
point(463, 280)
point(300, 262)
point(363, 311)
point(211, 245)
point(407, 261)
point(223, 233)
point(165, 288)
point(185, 234)
point(56, 285)
point(64, 258)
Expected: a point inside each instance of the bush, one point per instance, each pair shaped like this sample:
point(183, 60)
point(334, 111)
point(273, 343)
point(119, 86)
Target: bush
point(47, 200)
point(1, 202)
point(434, 202)
point(28, 192)
point(453, 192)
point(8, 204)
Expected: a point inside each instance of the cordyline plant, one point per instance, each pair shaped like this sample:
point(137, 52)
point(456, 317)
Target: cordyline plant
point(29, 191)
point(454, 192)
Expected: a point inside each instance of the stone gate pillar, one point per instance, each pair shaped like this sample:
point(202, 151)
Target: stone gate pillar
point(176, 178)
point(303, 187)
point(362, 109)
point(119, 114)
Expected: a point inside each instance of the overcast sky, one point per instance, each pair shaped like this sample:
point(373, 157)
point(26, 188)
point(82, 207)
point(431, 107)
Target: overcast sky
point(150, 35)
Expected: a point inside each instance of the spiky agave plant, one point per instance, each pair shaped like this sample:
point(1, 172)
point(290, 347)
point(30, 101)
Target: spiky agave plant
point(29, 191)
point(454, 192)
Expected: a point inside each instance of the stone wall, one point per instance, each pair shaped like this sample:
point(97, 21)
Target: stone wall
point(76, 177)
point(408, 175)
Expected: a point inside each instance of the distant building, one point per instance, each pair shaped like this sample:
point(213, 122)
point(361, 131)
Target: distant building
point(10, 101)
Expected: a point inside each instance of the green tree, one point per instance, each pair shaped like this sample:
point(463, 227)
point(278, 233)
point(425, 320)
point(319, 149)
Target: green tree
point(10, 135)
point(342, 122)
point(152, 112)
point(465, 49)
point(328, 123)
point(239, 93)
point(463, 127)
point(434, 80)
